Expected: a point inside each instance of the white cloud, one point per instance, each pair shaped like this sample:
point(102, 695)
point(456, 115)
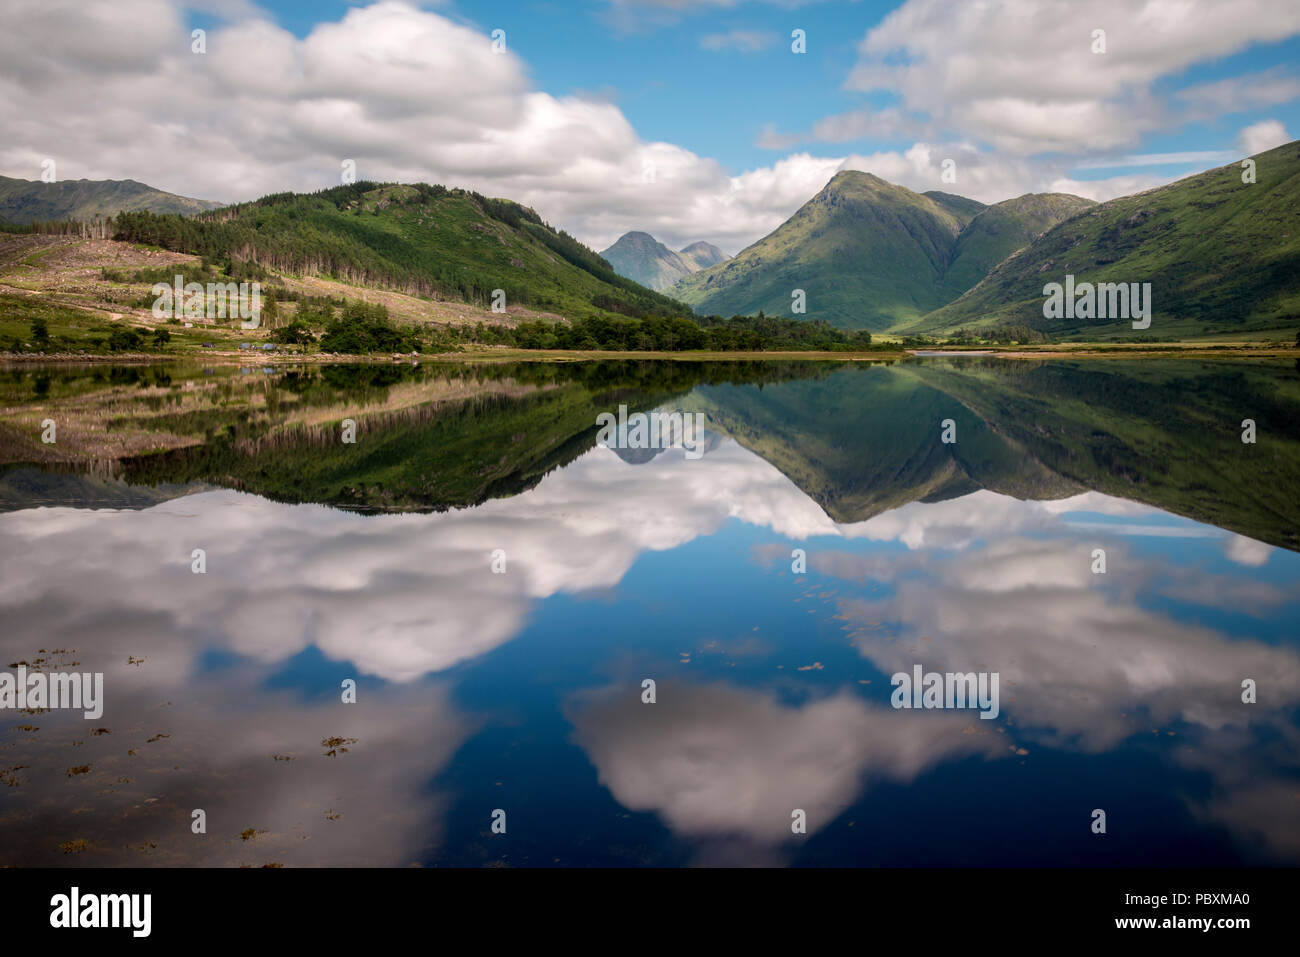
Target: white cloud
point(281, 578)
point(1022, 76)
point(1206, 101)
point(989, 177)
point(716, 761)
point(114, 91)
point(1262, 136)
point(1247, 551)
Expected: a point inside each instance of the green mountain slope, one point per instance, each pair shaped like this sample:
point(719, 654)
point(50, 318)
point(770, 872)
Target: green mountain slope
point(1161, 431)
point(963, 207)
point(423, 240)
point(26, 201)
point(999, 230)
point(867, 254)
point(1221, 256)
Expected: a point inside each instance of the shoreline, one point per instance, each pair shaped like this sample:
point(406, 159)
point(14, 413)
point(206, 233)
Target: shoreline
point(1074, 351)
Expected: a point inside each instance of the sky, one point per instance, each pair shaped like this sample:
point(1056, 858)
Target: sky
point(688, 119)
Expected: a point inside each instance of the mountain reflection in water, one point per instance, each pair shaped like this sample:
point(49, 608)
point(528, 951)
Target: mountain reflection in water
point(522, 691)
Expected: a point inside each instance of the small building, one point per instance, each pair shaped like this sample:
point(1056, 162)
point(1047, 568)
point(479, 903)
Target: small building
point(245, 345)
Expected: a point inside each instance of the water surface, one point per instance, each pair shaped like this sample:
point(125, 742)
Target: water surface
point(522, 690)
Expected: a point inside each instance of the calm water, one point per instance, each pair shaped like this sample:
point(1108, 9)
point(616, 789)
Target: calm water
point(521, 690)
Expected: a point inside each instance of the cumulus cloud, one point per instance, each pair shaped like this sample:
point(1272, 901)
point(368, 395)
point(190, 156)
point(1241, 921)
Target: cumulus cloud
point(1262, 136)
point(717, 761)
point(400, 595)
point(1247, 551)
point(1023, 77)
point(114, 91)
point(979, 174)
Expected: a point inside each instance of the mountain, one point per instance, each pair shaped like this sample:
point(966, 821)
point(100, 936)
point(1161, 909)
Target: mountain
point(998, 231)
point(525, 420)
point(642, 258)
point(963, 207)
point(862, 441)
point(869, 254)
point(418, 239)
point(865, 252)
point(1221, 255)
point(26, 201)
point(703, 255)
point(865, 439)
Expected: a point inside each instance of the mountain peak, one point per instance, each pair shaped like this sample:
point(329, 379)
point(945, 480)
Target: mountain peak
point(847, 180)
point(642, 258)
point(852, 175)
point(871, 254)
point(703, 254)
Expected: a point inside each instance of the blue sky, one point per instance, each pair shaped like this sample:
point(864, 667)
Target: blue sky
point(690, 119)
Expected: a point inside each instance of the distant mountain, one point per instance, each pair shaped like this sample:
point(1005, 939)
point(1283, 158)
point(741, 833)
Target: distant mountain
point(419, 239)
point(642, 258)
point(1221, 255)
point(26, 201)
point(869, 254)
point(703, 255)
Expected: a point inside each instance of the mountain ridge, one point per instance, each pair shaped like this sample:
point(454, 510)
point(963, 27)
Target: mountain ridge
point(23, 202)
point(867, 254)
point(1220, 254)
point(638, 256)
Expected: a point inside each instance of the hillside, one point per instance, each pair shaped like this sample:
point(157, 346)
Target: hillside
point(642, 258)
point(866, 253)
point(423, 240)
point(26, 201)
point(1221, 256)
point(999, 230)
point(963, 207)
point(869, 254)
